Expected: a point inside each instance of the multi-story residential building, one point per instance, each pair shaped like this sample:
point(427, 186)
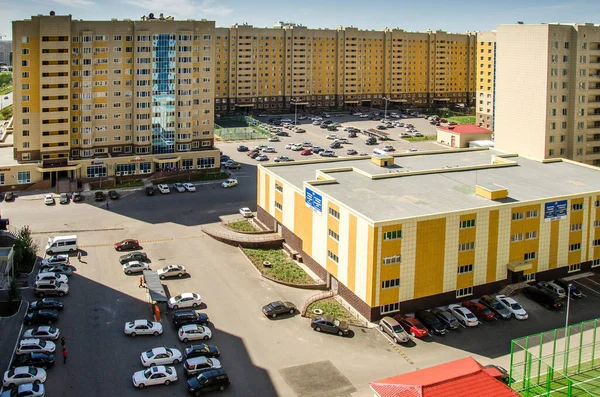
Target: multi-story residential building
point(485, 79)
point(293, 65)
point(5, 51)
point(414, 231)
point(548, 91)
point(99, 99)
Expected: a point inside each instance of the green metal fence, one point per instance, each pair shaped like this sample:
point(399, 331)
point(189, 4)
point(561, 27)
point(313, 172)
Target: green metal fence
point(557, 363)
point(233, 128)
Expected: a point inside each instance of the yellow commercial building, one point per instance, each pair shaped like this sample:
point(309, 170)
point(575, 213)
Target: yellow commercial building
point(416, 230)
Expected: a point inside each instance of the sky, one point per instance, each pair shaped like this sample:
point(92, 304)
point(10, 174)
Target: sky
point(450, 16)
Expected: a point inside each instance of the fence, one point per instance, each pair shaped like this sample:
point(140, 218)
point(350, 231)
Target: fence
point(240, 127)
point(561, 362)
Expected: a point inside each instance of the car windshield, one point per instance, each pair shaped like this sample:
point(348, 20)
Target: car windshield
point(336, 323)
point(168, 370)
point(516, 306)
point(51, 330)
point(419, 326)
point(42, 343)
point(32, 371)
point(486, 310)
point(470, 315)
point(147, 373)
point(498, 306)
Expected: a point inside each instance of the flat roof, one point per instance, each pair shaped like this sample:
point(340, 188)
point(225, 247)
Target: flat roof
point(437, 182)
point(465, 129)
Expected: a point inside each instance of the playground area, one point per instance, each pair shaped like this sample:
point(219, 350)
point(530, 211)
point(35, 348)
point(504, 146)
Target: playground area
point(238, 127)
point(563, 362)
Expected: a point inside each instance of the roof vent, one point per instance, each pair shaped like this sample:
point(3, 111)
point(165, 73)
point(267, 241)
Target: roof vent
point(491, 191)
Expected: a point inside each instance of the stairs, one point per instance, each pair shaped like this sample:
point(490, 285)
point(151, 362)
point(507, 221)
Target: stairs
point(63, 186)
point(512, 288)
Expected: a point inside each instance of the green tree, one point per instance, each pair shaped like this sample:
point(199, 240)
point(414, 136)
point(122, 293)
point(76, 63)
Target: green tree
point(5, 78)
point(14, 293)
point(25, 251)
point(6, 113)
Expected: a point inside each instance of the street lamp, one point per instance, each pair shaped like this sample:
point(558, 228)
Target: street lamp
point(386, 103)
point(567, 323)
point(295, 102)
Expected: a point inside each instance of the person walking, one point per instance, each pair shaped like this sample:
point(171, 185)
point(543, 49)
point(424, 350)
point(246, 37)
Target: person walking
point(79, 256)
point(64, 350)
point(107, 207)
point(63, 342)
point(141, 282)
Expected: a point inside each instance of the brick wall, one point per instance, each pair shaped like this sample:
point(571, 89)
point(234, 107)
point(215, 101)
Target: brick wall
point(370, 313)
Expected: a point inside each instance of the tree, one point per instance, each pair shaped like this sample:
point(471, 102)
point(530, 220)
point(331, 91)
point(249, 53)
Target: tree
point(25, 251)
point(6, 113)
point(5, 79)
point(14, 292)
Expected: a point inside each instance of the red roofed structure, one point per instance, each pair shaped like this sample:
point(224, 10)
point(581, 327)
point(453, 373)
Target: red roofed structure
point(465, 129)
point(461, 134)
point(464, 378)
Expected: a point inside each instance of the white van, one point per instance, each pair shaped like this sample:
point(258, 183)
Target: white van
point(380, 152)
point(60, 244)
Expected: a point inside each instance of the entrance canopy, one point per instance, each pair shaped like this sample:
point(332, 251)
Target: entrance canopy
point(155, 288)
point(351, 102)
point(64, 168)
point(166, 159)
point(244, 105)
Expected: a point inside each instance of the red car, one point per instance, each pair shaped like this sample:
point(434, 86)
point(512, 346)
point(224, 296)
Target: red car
point(479, 310)
point(128, 244)
point(412, 326)
point(306, 152)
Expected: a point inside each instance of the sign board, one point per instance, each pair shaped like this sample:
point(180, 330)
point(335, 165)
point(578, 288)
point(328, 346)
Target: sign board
point(313, 200)
point(555, 210)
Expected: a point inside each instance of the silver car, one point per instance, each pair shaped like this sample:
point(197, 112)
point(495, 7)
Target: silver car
point(171, 271)
point(135, 267)
point(393, 329)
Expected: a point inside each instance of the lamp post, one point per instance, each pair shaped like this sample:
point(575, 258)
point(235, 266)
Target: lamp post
point(295, 102)
point(386, 103)
point(567, 324)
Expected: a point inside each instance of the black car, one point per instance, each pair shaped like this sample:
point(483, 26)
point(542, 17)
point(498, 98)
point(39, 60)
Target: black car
point(242, 148)
point(188, 316)
point(149, 190)
point(113, 195)
point(573, 291)
point(499, 310)
point(99, 196)
point(544, 298)
point(133, 256)
point(40, 360)
point(253, 155)
point(335, 145)
point(330, 325)
point(324, 126)
point(46, 303)
point(224, 158)
point(77, 197)
point(201, 350)
point(370, 141)
point(446, 317)
point(278, 307)
point(215, 379)
point(10, 196)
point(41, 317)
point(282, 133)
point(432, 322)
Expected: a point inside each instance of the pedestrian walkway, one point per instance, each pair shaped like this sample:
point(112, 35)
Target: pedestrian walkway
point(246, 240)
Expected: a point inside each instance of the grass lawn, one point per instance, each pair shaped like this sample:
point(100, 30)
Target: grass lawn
point(282, 268)
point(6, 89)
point(242, 226)
point(192, 177)
point(420, 138)
point(463, 119)
point(133, 183)
point(332, 308)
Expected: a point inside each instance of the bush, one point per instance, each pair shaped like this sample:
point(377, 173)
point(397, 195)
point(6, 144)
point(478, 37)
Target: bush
point(242, 226)
point(333, 308)
point(25, 251)
point(6, 113)
point(282, 268)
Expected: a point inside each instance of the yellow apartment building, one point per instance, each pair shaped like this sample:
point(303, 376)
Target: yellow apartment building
point(485, 79)
point(417, 230)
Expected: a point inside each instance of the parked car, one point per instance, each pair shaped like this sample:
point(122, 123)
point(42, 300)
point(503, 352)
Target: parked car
point(282, 159)
point(463, 315)
point(99, 196)
point(35, 345)
point(56, 260)
point(201, 350)
point(178, 186)
point(49, 199)
point(51, 288)
point(232, 165)
point(171, 271)
point(149, 190)
point(77, 197)
point(552, 288)
point(161, 356)
point(196, 365)
point(351, 152)
point(262, 157)
point(317, 149)
point(58, 269)
point(46, 303)
point(276, 308)
point(64, 198)
point(327, 153)
point(496, 307)
point(273, 139)
point(113, 195)
point(242, 148)
point(332, 136)
point(187, 299)
point(127, 244)
point(10, 196)
point(135, 267)
point(194, 332)
point(504, 375)
point(48, 276)
point(163, 189)
point(133, 256)
point(215, 379)
point(412, 326)
point(189, 316)
point(479, 310)
point(513, 306)
point(22, 375)
point(388, 148)
point(231, 182)
point(306, 152)
point(335, 145)
point(370, 141)
point(143, 327)
point(42, 332)
point(393, 329)
point(431, 322)
point(159, 375)
point(573, 291)
point(330, 325)
point(40, 360)
point(246, 212)
point(446, 317)
point(190, 187)
point(26, 390)
point(544, 297)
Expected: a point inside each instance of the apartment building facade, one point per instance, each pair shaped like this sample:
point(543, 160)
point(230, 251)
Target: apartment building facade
point(485, 99)
point(97, 99)
point(548, 91)
point(5, 52)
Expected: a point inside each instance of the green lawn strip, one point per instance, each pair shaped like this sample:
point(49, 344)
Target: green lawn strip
point(6, 90)
point(332, 308)
point(282, 268)
point(463, 119)
point(133, 183)
point(242, 226)
point(421, 138)
point(191, 177)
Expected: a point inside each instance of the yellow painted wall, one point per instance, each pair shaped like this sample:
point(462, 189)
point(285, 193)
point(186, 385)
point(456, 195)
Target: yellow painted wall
point(303, 223)
point(492, 252)
point(522, 226)
point(464, 280)
point(351, 252)
point(258, 187)
point(575, 236)
point(467, 235)
point(553, 255)
point(332, 245)
point(267, 205)
point(278, 199)
point(429, 257)
point(373, 234)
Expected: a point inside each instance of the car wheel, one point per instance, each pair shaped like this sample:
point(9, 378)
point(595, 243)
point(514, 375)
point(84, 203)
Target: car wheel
point(222, 387)
point(180, 275)
point(162, 277)
point(51, 252)
point(273, 315)
point(153, 364)
point(175, 307)
point(175, 362)
point(194, 305)
point(141, 386)
point(318, 329)
point(185, 340)
point(413, 334)
point(128, 272)
point(37, 382)
point(155, 333)
point(340, 333)
point(61, 294)
point(11, 385)
point(167, 382)
point(118, 248)
point(205, 337)
point(133, 334)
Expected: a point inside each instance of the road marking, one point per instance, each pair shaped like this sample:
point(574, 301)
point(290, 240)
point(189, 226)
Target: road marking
point(196, 236)
point(396, 347)
point(585, 286)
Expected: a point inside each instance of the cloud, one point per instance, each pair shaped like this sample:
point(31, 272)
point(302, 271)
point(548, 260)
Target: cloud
point(180, 8)
point(74, 3)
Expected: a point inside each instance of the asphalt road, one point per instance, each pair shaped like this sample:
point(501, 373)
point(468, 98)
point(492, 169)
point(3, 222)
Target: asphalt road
point(6, 100)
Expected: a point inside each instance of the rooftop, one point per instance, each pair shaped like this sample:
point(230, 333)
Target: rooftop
point(436, 182)
point(465, 129)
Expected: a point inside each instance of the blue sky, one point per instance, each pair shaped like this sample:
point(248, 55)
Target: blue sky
point(452, 16)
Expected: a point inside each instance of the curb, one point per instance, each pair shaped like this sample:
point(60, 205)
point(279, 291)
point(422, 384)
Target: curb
point(19, 336)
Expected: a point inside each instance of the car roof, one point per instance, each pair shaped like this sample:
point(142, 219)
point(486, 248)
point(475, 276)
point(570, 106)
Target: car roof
point(190, 327)
point(159, 350)
point(142, 321)
point(21, 370)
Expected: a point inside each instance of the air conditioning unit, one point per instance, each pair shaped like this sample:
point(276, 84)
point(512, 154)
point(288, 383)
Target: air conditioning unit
point(125, 172)
point(96, 175)
point(118, 174)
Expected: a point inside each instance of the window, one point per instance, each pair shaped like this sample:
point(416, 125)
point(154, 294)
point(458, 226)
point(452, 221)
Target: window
point(517, 216)
point(467, 246)
point(25, 145)
point(334, 213)
point(391, 260)
point(516, 237)
point(208, 162)
point(333, 256)
point(278, 187)
point(597, 203)
point(575, 268)
point(25, 132)
point(596, 263)
point(464, 292)
point(2, 179)
point(392, 307)
point(465, 269)
point(532, 214)
point(596, 243)
point(576, 227)
point(390, 283)
point(597, 223)
point(531, 235)
point(24, 177)
point(530, 277)
point(393, 235)
point(575, 247)
point(467, 224)
point(577, 207)
point(278, 206)
point(529, 256)
point(334, 235)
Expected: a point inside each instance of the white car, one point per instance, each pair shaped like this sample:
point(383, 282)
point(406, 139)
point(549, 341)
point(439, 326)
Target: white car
point(246, 212)
point(48, 199)
point(231, 182)
point(286, 120)
point(342, 141)
point(269, 149)
point(179, 187)
point(273, 139)
point(332, 136)
point(159, 375)
point(282, 159)
point(190, 187)
point(161, 356)
point(42, 332)
point(164, 189)
point(463, 315)
point(298, 130)
point(171, 271)
point(357, 114)
point(297, 147)
point(317, 118)
point(513, 306)
point(49, 276)
point(143, 327)
point(412, 149)
point(21, 375)
point(35, 345)
point(263, 115)
point(194, 332)
point(135, 267)
point(302, 117)
point(364, 116)
point(187, 299)
point(261, 157)
point(289, 145)
point(56, 260)
point(26, 389)
point(327, 153)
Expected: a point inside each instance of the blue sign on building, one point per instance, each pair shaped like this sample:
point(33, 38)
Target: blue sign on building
point(555, 210)
point(313, 200)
